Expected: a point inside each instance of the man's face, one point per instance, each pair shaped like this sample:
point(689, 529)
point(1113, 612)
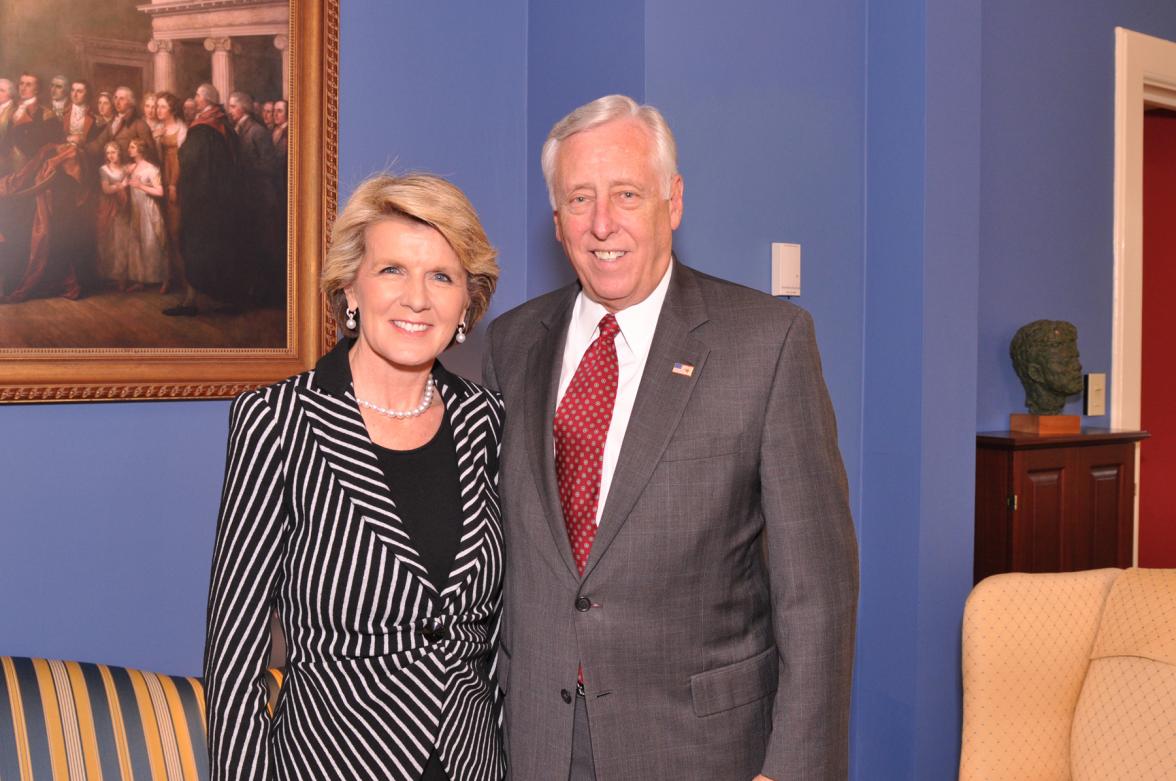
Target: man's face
point(280, 112)
point(77, 93)
point(5, 91)
point(57, 89)
point(190, 109)
point(28, 87)
point(611, 215)
point(122, 102)
point(235, 110)
point(267, 113)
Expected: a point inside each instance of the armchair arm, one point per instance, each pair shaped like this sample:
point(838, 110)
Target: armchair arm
point(1026, 647)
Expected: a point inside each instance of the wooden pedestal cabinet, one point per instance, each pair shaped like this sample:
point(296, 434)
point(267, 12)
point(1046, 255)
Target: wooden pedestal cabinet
point(1054, 503)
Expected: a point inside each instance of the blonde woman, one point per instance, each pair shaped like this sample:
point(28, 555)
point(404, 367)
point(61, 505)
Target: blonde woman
point(360, 502)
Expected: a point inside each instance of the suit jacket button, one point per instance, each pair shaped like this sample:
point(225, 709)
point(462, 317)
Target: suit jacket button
point(583, 604)
point(566, 695)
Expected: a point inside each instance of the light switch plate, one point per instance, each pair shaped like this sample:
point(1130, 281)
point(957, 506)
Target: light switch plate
point(785, 269)
point(1094, 397)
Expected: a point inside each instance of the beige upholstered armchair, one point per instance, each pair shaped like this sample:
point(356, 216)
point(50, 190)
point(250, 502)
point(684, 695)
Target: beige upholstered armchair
point(1070, 676)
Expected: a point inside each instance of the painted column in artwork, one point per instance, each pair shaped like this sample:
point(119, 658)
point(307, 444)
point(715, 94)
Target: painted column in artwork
point(282, 44)
point(222, 65)
point(165, 64)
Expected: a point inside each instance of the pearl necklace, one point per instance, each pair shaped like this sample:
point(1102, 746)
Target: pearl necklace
point(426, 402)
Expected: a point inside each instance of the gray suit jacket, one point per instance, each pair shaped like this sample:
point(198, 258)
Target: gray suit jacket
point(722, 586)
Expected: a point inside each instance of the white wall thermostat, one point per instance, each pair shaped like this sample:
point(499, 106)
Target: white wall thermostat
point(1094, 396)
point(785, 269)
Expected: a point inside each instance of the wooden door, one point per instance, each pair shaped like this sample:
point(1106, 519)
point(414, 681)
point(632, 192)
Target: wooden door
point(1075, 506)
point(1103, 500)
point(1043, 478)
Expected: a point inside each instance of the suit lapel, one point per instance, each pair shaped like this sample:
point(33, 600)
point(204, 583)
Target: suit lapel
point(542, 383)
point(657, 410)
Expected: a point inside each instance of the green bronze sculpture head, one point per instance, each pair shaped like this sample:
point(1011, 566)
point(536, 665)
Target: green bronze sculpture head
point(1045, 356)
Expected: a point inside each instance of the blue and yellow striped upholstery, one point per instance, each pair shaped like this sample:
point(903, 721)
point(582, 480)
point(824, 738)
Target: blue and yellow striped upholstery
point(71, 721)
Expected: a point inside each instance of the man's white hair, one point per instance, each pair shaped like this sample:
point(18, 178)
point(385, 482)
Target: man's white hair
point(244, 100)
point(602, 111)
point(210, 93)
point(130, 93)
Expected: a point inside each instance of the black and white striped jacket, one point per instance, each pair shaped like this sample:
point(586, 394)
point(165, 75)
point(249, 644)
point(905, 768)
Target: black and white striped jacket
point(381, 667)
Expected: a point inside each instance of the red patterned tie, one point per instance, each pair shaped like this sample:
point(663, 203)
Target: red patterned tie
point(581, 426)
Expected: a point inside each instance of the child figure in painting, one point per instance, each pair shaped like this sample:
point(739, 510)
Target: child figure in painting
point(149, 265)
point(115, 238)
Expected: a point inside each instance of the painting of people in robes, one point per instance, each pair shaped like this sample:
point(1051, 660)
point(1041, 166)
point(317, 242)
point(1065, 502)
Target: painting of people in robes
point(143, 175)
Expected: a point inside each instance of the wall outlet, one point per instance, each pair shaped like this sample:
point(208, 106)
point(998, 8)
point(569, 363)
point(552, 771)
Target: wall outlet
point(1094, 394)
point(785, 269)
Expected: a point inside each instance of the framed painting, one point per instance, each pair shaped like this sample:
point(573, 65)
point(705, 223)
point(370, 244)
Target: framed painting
point(167, 183)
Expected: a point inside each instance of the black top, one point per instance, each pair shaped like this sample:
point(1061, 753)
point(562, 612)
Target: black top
point(425, 488)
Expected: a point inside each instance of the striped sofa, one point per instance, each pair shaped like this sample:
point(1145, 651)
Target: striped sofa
point(70, 720)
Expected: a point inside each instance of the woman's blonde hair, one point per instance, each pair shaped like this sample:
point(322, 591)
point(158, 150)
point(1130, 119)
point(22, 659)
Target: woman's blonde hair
point(422, 197)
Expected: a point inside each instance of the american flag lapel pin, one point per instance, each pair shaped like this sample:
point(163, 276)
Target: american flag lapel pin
point(685, 369)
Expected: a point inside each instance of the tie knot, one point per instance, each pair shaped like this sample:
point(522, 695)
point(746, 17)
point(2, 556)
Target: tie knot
point(609, 327)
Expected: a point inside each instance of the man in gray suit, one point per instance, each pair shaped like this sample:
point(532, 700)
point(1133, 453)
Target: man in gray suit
point(681, 580)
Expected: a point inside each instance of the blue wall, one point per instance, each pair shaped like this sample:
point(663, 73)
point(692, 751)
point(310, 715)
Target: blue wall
point(922, 267)
point(441, 87)
point(886, 682)
point(1047, 193)
point(770, 132)
point(106, 529)
point(951, 262)
point(576, 52)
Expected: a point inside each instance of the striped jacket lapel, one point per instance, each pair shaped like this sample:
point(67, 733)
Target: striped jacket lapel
point(471, 417)
point(334, 418)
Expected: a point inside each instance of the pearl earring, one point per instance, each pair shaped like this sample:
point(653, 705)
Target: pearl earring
point(461, 331)
point(351, 313)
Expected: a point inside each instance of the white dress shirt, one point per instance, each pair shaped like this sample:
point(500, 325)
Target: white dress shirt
point(25, 107)
point(77, 119)
point(637, 324)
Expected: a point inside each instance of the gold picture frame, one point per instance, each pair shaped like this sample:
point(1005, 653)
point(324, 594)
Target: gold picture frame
point(37, 373)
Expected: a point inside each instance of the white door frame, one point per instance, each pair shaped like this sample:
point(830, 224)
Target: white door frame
point(1145, 74)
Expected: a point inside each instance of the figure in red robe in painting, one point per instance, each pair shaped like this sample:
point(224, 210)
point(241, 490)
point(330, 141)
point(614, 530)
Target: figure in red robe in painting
point(40, 258)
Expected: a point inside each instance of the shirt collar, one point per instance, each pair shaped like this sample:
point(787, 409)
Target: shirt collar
point(637, 322)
